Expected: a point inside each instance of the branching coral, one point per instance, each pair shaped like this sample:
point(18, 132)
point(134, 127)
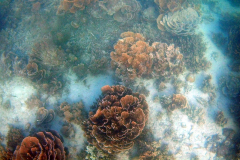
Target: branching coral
point(73, 5)
point(181, 22)
point(44, 145)
point(122, 10)
point(120, 118)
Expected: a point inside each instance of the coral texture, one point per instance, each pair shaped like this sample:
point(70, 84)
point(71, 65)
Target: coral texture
point(44, 116)
point(178, 102)
point(122, 10)
point(181, 22)
point(73, 5)
point(133, 57)
point(230, 86)
point(169, 5)
point(42, 146)
point(120, 118)
point(71, 113)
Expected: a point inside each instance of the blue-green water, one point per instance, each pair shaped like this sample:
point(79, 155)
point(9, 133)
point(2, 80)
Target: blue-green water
point(120, 79)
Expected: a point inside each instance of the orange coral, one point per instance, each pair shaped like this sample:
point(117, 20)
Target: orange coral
point(42, 146)
point(73, 5)
point(133, 57)
point(171, 5)
point(119, 119)
point(178, 102)
point(71, 113)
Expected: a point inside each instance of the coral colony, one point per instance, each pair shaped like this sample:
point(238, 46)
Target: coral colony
point(119, 79)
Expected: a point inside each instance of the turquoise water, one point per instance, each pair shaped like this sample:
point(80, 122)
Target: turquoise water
point(120, 79)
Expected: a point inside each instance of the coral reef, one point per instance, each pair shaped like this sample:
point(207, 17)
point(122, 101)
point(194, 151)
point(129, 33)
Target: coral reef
point(14, 138)
point(169, 5)
point(33, 73)
point(219, 39)
point(167, 60)
point(11, 64)
point(44, 116)
point(230, 86)
point(209, 88)
point(34, 102)
point(67, 130)
point(181, 22)
point(234, 42)
point(190, 78)
point(122, 10)
point(120, 118)
point(44, 145)
point(48, 54)
point(220, 119)
point(133, 57)
point(71, 113)
point(156, 150)
point(193, 49)
point(73, 5)
point(178, 102)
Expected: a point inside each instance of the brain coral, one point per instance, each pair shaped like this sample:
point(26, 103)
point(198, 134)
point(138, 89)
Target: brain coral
point(42, 146)
point(120, 118)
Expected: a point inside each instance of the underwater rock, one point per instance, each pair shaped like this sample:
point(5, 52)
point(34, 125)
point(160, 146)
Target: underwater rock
point(43, 145)
point(120, 118)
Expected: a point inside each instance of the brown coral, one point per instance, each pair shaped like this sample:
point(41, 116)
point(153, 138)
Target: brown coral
point(44, 116)
point(178, 102)
point(73, 5)
point(71, 113)
point(42, 146)
point(122, 10)
point(119, 119)
point(133, 57)
point(169, 5)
